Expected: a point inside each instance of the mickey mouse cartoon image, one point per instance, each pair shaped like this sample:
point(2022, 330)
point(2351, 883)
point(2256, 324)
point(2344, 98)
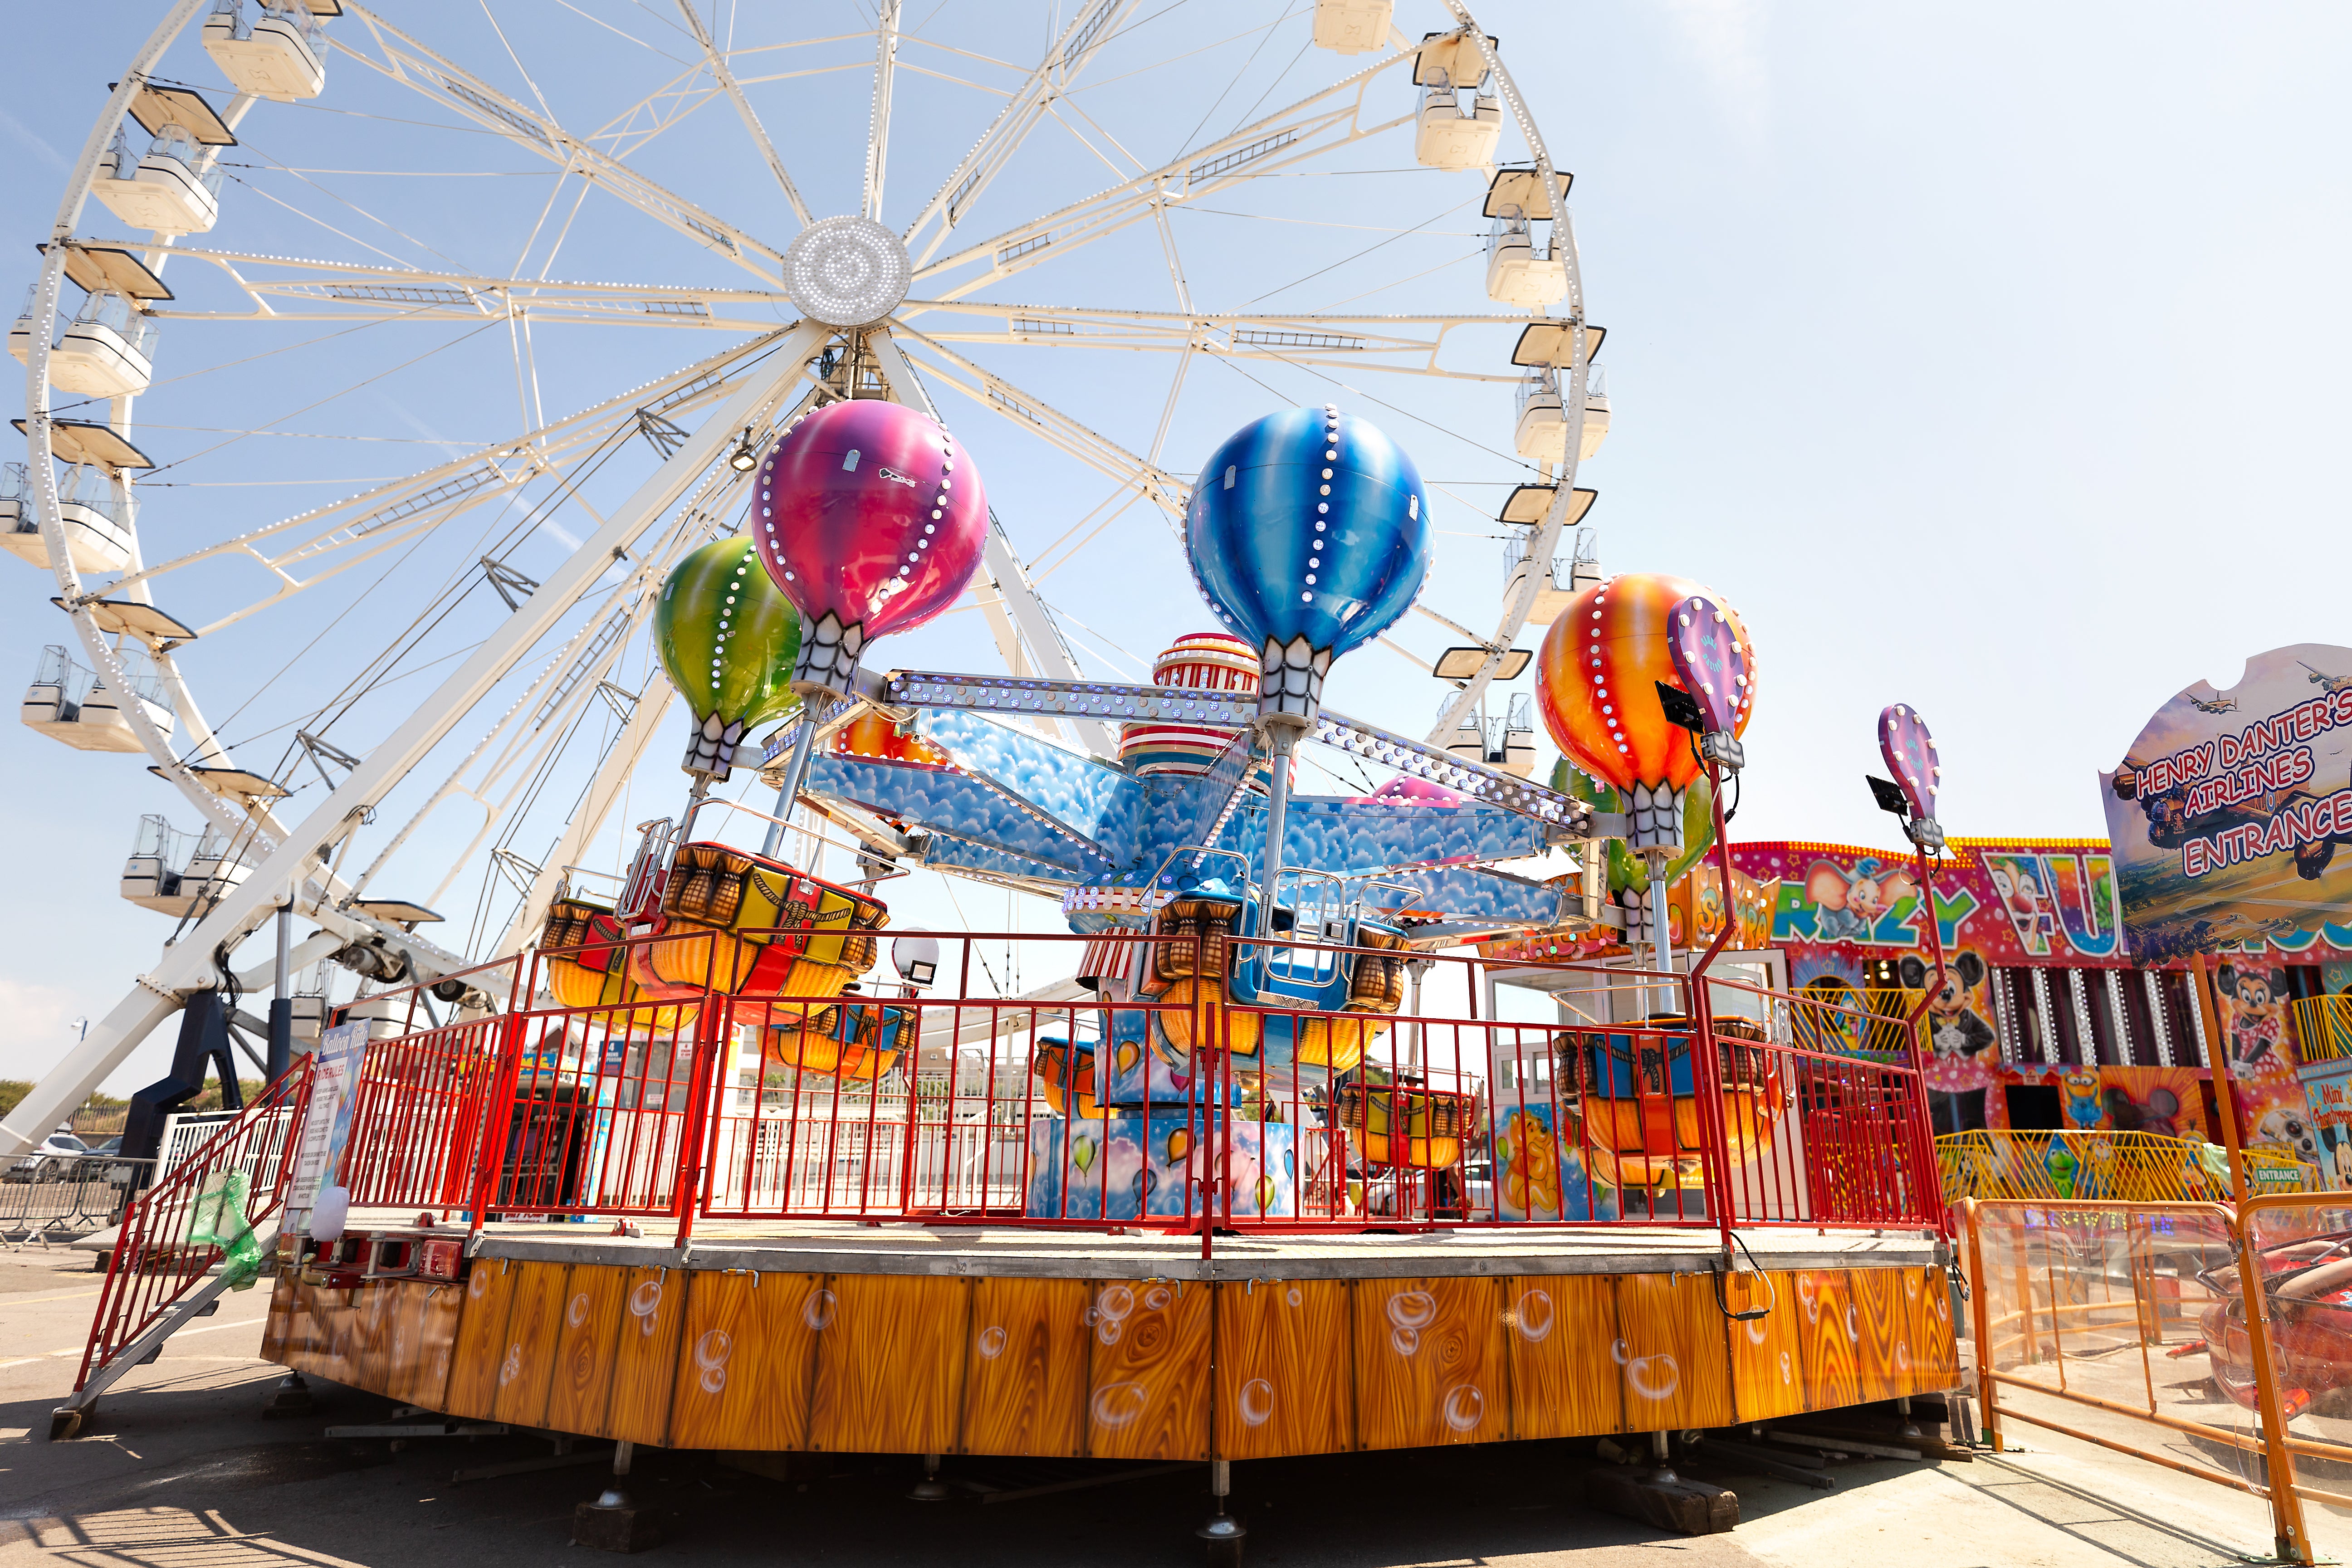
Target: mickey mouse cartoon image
point(1953, 1027)
point(1954, 1033)
point(1851, 901)
point(2255, 1011)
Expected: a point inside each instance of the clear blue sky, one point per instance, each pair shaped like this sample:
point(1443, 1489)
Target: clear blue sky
point(1987, 358)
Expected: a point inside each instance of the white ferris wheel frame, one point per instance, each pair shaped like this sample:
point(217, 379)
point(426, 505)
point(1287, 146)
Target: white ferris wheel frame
point(293, 864)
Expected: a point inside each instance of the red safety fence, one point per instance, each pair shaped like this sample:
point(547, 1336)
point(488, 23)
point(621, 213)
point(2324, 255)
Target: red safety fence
point(1180, 1110)
point(1163, 1105)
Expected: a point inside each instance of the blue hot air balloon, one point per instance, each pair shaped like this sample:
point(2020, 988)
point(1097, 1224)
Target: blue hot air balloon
point(1309, 534)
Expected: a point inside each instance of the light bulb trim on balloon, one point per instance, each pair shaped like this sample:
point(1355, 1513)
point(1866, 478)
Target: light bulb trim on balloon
point(717, 596)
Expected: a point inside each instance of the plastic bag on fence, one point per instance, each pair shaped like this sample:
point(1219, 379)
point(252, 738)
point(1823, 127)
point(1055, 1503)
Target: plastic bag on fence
point(219, 1221)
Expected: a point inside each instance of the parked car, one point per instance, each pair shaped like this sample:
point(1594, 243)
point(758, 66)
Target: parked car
point(47, 1160)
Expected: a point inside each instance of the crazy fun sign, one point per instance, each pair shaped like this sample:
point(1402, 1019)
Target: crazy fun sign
point(2022, 901)
point(2227, 811)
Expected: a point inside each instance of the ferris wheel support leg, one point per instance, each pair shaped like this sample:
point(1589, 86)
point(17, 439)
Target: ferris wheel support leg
point(185, 964)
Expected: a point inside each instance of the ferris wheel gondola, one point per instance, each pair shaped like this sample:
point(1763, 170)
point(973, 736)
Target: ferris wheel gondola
point(849, 308)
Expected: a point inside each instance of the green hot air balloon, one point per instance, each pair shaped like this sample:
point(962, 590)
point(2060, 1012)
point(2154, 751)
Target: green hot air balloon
point(727, 637)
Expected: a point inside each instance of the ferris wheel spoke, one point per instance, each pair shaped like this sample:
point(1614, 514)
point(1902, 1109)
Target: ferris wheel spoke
point(344, 534)
point(1313, 128)
point(1087, 31)
point(1403, 344)
point(361, 291)
point(1042, 419)
point(877, 124)
point(1017, 617)
point(451, 87)
point(573, 677)
point(715, 61)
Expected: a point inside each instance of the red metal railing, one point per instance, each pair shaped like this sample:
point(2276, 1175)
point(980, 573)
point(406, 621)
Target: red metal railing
point(950, 1109)
point(192, 1218)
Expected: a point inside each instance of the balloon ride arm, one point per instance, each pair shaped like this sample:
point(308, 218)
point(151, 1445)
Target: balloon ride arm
point(1104, 700)
point(1057, 698)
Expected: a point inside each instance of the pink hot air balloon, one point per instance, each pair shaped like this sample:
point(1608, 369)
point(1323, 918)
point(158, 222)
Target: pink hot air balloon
point(871, 521)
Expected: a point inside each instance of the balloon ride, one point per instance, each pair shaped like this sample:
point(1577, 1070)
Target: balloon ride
point(660, 1075)
point(866, 521)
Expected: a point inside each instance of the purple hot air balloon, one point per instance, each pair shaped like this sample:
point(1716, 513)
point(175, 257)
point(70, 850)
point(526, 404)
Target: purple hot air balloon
point(1910, 753)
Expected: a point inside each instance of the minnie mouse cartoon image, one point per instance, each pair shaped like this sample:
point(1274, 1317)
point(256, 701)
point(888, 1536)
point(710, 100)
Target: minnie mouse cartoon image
point(2255, 1016)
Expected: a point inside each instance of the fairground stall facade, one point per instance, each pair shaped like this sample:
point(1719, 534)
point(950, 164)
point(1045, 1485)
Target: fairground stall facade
point(2049, 1022)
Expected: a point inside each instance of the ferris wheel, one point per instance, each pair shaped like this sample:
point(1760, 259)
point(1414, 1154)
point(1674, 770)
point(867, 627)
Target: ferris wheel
point(322, 685)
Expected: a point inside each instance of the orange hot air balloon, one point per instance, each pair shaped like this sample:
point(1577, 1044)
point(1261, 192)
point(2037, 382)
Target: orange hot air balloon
point(1597, 683)
point(1597, 678)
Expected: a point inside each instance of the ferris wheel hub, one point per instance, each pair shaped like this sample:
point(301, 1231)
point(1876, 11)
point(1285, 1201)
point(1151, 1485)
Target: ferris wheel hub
point(847, 271)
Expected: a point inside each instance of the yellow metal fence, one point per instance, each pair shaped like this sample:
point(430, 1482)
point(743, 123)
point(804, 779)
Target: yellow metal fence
point(2323, 1027)
point(2134, 1167)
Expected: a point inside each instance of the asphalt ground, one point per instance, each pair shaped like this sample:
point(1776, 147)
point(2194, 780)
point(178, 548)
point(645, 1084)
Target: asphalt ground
point(183, 1472)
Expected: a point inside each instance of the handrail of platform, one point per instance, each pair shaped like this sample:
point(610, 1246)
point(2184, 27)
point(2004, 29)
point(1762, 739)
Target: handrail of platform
point(208, 1211)
point(2049, 1165)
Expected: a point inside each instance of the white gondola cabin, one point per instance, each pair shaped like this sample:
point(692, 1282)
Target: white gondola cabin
point(179, 874)
point(1552, 587)
point(1541, 435)
point(87, 504)
point(68, 703)
point(272, 51)
point(108, 709)
point(1446, 136)
point(1516, 275)
point(1353, 26)
point(1596, 413)
point(1559, 579)
point(106, 351)
point(1505, 741)
point(172, 188)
